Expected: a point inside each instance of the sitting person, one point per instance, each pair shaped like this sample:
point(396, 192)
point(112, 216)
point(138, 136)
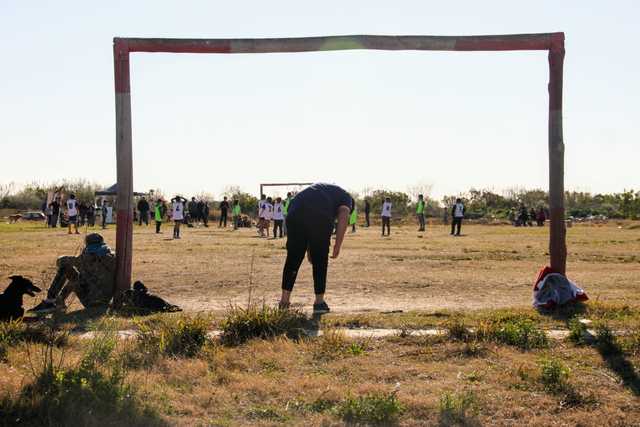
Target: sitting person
point(91, 276)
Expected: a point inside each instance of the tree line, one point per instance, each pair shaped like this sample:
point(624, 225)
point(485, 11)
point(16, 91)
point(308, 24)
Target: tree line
point(479, 203)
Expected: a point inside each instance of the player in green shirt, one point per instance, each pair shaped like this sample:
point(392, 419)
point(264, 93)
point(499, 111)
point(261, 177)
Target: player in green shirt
point(235, 213)
point(353, 217)
point(285, 211)
point(420, 212)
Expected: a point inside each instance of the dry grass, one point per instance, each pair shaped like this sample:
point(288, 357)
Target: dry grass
point(482, 278)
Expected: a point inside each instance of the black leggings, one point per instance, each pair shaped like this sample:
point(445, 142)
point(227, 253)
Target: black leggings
point(456, 225)
point(386, 222)
point(277, 224)
point(306, 232)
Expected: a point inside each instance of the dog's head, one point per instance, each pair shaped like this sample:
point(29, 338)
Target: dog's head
point(21, 285)
point(138, 286)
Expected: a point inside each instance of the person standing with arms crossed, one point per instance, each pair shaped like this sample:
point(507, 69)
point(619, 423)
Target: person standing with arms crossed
point(457, 213)
point(310, 223)
point(386, 216)
point(420, 212)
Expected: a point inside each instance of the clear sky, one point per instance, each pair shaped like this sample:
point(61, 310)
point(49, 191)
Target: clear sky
point(356, 118)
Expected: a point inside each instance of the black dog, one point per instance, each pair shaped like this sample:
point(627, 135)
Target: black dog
point(11, 299)
point(140, 300)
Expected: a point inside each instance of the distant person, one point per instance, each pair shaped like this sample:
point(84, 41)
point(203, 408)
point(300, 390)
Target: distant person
point(541, 217)
point(143, 211)
point(91, 214)
point(532, 216)
point(236, 211)
point(261, 209)
point(386, 216)
point(49, 214)
point(55, 212)
point(192, 208)
point(72, 213)
point(285, 211)
point(104, 211)
point(200, 211)
point(367, 212)
point(420, 212)
point(353, 216)
point(523, 215)
point(445, 216)
point(224, 210)
point(205, 213)
point(309, 223)
point(268, 214)
point(278, 216)
point(457, 214)
point(178, 204)
point(159, 212)
point(82, 213)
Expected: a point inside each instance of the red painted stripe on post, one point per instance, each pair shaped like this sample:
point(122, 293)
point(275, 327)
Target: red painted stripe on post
point(180, 46)
point(121, 65)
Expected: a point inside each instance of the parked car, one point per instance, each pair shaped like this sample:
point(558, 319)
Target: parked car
point(33, 216)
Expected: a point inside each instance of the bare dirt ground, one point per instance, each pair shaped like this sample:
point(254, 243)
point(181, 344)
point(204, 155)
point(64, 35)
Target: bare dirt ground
point(487, 267)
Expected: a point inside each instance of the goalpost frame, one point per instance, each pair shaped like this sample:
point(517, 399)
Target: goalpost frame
point(123, 47)
point(284, 184)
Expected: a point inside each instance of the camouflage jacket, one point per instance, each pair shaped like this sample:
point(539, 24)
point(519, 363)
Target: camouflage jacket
point(96, 278)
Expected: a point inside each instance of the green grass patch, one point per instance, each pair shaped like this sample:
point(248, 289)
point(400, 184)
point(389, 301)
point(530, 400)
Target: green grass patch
point(371, 409)
point(458, 408)
point(263, 322)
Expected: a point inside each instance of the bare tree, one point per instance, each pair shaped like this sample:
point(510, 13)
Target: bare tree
point(419, 188)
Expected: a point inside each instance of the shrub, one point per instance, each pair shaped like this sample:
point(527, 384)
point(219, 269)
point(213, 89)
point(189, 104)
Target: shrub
point(373, 408)
point(91, 392)
point(605, 339)
point(261, 321)
point(521, 333)
point(577, 331)
point(181, 336)
point(457, 330)
point(334, 344)
point(553, 375)
point(457, 408)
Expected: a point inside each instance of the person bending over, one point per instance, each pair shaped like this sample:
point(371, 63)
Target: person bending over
point(309, 224)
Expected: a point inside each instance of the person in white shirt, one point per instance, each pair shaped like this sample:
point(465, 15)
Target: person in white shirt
point(457, 213)
point(72, 212)
point(268, 214)
point(386, 216)
point(177, 214)
point(261, 209)
point(278, 217)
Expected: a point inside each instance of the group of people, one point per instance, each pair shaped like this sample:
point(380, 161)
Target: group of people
point(525, 217)
point(275, 210)
point(73, 213)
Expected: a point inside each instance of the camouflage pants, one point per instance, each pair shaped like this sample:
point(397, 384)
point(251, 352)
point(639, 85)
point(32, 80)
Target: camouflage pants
point(67, 281)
